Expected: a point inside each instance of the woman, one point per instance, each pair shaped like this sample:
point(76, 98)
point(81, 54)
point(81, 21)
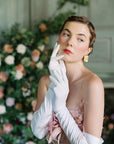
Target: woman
point(70, 102)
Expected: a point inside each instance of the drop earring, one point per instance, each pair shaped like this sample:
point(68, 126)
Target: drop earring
point(86, 57)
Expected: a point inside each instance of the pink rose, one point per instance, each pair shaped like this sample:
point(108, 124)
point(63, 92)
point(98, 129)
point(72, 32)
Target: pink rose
point(8, 48)
point(10, 101)
point(110, 126)
point(43, 27)
point(7, 128)
point(35, 55)
point(3, 76)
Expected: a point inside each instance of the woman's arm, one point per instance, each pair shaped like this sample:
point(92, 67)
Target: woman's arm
point(42, 90)
point(43, 112)
point(94, 107)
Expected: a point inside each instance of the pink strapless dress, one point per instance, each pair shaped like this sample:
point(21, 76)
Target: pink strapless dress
point(55, 132)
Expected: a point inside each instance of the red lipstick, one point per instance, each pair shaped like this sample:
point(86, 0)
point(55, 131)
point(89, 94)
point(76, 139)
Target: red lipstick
point(67, 51)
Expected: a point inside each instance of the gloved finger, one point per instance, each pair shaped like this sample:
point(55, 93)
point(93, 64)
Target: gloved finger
point(55, 50)
point(57, 75)
point(63, 70)
point(54, 64)
point(51, 85)
point(54, 80)
point(57, 57)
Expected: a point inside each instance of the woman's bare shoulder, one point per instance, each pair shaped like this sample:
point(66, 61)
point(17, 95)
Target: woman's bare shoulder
point(94, 85)
point(93, 79)
point(44, 80)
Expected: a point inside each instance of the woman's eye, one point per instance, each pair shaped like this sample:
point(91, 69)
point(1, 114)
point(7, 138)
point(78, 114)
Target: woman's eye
point(80, 40)
point(65, 34)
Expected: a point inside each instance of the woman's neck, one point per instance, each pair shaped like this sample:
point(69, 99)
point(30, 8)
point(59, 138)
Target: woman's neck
point(74, 71)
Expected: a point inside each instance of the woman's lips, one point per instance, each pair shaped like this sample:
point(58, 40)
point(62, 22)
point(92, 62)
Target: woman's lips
point(67, 51)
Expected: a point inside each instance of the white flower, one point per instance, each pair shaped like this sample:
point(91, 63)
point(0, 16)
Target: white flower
point(9, 60)
point(21, 49)
point(23, 120)
point(26, 93)
point(2, 109)
point(18, 75)
point(40, 65)
point(35, 58)
point(10, 101)
point(30, 116)
point(26, 61)
point(41, 48)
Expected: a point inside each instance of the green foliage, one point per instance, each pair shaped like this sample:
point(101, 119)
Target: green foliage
point(61, 3)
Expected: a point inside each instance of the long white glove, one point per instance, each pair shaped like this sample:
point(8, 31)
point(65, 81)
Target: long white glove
point(66, 121)
point(42, 117)
point(72, 130)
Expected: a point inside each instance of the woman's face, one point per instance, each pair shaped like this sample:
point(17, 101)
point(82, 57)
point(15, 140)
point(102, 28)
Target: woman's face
point(74, 41)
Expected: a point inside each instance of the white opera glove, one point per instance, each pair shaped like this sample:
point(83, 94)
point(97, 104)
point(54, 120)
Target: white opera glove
point(93, 139)
point(72, 131)
point(54, 64)
point(42, 117)
point(61, 87)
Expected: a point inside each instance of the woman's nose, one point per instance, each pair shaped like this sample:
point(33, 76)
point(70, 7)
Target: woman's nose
point(71, 41)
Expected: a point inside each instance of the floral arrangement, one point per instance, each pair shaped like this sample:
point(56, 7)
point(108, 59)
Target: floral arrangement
point(21, 66)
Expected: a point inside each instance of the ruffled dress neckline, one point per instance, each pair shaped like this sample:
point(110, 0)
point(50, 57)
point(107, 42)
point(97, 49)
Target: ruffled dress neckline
point(54, 129)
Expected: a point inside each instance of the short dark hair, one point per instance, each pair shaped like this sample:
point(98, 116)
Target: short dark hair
point(84, 20)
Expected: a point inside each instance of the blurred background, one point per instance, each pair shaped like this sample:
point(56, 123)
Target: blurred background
point(28, 31)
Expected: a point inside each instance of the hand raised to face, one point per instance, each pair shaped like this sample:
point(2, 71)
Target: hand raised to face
point(54, 60)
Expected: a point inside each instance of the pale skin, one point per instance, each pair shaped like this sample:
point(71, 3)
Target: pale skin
point(83, 84)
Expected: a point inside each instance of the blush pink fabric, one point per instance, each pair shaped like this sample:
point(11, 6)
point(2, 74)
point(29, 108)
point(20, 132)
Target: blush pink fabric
point(55, 132)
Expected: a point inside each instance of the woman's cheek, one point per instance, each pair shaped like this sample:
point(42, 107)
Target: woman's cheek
point(61, 40)
point(84, 48)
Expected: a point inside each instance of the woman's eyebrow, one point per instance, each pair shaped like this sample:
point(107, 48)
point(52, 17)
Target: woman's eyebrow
point(80, 34)
point(67, 30)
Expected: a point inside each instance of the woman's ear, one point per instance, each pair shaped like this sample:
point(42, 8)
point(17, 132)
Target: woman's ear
point(90, 50)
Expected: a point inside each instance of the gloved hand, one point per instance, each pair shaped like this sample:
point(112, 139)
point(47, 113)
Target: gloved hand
point(54, 64)
point(61, 87)
point(59, 79)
